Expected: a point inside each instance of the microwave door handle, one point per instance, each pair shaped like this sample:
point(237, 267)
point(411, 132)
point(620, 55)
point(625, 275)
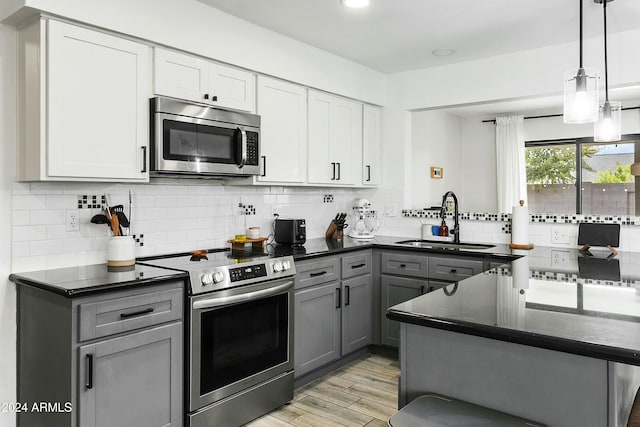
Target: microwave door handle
point(243, 136)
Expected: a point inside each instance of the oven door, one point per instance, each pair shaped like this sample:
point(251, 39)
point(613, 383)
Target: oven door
point(189, 145)
point(239, 338)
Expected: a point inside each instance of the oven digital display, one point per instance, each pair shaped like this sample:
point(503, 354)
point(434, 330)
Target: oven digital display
point(244, 273)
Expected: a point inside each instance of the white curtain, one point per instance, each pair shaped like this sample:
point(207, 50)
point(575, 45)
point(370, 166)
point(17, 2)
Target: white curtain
point(511, 171)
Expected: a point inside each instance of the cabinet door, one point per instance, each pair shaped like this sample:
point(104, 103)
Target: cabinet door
point(346, 140)
point(317, 331)
point(232, 88)
point(322, 168)
point(371, 145)
point(132, 380)
point(335, 139)
point(395, 290)
point(97, 105)
point(356, 313)
point(283, 131)
point(179, 76)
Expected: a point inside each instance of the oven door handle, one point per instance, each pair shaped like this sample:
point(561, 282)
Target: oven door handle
point(243, 136)
point(217, 302)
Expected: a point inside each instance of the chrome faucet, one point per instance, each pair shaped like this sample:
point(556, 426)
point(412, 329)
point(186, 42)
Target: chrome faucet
point(443, 210)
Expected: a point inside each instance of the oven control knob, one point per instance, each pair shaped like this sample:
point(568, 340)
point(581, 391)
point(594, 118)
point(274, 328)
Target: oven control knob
point(286, 265)
point(207, 279)
point(277, 266)
point(218, 277)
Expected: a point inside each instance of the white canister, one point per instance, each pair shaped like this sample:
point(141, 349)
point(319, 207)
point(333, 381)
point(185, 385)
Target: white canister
point(121, 251)
point(253, 232)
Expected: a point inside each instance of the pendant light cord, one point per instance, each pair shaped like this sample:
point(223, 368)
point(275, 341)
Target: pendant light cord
point(580, 32)
point(606, 77)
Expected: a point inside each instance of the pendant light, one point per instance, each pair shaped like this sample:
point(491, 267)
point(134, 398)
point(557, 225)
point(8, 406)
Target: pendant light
point(581, 91)
point(609, 124)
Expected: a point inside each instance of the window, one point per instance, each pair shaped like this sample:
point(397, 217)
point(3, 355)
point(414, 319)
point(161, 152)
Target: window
point(555, 169)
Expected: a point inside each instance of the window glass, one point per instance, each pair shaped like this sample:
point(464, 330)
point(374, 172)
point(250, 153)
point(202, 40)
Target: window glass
point(606, 184)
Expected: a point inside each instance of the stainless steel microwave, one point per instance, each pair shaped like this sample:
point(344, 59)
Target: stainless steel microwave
point(195, 140)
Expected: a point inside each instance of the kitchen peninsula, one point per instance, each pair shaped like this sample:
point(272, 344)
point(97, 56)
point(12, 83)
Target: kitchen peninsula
point(559, 347)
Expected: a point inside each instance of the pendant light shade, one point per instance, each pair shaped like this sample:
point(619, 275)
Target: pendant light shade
point(609, 125)
point(581, 94)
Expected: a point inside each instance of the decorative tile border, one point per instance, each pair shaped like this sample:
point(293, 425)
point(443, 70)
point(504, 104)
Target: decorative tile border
point(541, 218)
point(554, 276)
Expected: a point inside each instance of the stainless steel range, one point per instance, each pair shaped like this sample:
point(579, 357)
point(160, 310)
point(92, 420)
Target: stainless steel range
point(239, 335)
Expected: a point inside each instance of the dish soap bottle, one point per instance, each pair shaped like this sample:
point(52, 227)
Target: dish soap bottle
point(444, 230)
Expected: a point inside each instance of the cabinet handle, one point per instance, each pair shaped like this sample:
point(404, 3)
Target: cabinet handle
point(347, 295)
point(321, 273)
point(264, 165)
point(144, 159)
point(368, 173)
point(333, 174)
point(403, 265)
point(136, 313)
point(358, 265)
point(206, 96)
point(422, 290)
point(214, 98)
point(453, 271)
point(88, 383)
point(338, 297)
point(338, 178)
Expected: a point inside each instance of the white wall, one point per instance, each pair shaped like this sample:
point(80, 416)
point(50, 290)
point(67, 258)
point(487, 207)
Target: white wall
point(479, 166)
point(192, 26)
point(436, 141)
point(7, 174)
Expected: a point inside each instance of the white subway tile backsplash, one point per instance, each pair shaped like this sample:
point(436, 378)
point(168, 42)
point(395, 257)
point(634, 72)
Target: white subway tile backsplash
point(29, 202)
point(46, 247)
point(47, 217)
point(20, 217)
point(29, 232)
point(61, 202)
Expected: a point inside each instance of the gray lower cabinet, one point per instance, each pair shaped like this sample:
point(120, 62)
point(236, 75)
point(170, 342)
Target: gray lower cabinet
point(395, 290)
point(356, 313)
point(317, 327)
point(333, 306)
point(116, 357)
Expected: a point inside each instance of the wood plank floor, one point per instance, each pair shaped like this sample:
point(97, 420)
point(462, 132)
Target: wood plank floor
point(362, 393)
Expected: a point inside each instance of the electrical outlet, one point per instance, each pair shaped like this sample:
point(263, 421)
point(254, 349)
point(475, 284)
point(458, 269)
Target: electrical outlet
point(72, 221)
point(560, 258)
point(390, 210)
point(559, 235)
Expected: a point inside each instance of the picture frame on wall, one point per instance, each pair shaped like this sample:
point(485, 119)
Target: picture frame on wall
point(436, 172)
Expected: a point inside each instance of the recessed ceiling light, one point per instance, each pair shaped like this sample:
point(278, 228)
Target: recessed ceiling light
point(355, 3)
point(443, 52)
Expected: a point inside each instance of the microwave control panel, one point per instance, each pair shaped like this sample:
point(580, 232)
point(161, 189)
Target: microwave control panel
point(252, 148)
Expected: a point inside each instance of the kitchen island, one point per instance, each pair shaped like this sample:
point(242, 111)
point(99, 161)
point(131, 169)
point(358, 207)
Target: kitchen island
point(558, 347)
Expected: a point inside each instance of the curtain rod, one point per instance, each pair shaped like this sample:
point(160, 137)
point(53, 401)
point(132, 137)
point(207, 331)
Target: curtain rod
point(552, 115)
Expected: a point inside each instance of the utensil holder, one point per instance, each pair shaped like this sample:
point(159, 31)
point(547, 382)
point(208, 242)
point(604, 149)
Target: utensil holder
point(121, 251)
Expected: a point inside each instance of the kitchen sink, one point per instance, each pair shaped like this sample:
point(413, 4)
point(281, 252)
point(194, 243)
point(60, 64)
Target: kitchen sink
point(440, 244)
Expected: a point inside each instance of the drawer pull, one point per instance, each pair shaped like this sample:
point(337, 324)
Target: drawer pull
point(321, 273)
point(358, 265)
point(347, 295)
point(136, 313)
point(403, 265)
point(422, 290)
point(338, 298)
point(453, 271)
point(88, 383)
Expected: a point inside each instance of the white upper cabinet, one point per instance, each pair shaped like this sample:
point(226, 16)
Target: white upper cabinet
point(83, 105)
point(282, 107)
point(335, 140)
point(371, 145)
point(189, 77)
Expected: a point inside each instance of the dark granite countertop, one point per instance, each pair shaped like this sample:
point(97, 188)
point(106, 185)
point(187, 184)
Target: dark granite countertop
point(89, 279)
point(314, 248)
point(593, 311)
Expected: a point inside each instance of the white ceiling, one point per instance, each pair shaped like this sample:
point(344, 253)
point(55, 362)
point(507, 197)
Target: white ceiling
point(399, 35)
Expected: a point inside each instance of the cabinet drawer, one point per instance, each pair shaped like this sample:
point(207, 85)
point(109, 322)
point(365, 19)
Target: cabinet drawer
point(355, 265)
point(453, 269)
point(405, 265)
point(317, 271)
point(116, 315)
